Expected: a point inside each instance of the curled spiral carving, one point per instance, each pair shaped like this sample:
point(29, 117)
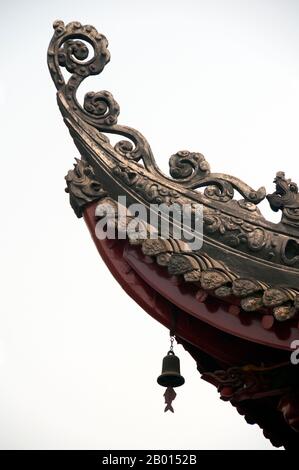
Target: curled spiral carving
point(82, 51)
point(193, 171)
point(68, 50)
point(124, 147)
point(70, 55)
point(132, 150)
point(222, 191)
point(187, 165)
point(102, 104)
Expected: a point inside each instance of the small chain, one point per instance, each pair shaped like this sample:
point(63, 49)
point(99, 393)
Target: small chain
point(171, 342)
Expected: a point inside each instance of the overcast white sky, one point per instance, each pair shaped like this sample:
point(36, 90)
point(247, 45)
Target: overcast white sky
point(78, 358)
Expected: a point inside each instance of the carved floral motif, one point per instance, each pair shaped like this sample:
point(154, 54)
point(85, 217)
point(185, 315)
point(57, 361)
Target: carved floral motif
point(234, 231)
point(152, 191)
point(187, 165)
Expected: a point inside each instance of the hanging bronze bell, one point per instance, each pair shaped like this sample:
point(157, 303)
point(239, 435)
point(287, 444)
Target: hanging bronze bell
point(171, 375)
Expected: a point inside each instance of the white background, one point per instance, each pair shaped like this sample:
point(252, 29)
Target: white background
point(78, 358)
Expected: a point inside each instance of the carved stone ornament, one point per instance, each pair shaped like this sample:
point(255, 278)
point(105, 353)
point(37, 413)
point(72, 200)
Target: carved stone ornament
point(241, 286)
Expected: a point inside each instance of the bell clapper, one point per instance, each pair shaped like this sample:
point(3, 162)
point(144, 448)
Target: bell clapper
point(169, 396)
point(171, 376)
